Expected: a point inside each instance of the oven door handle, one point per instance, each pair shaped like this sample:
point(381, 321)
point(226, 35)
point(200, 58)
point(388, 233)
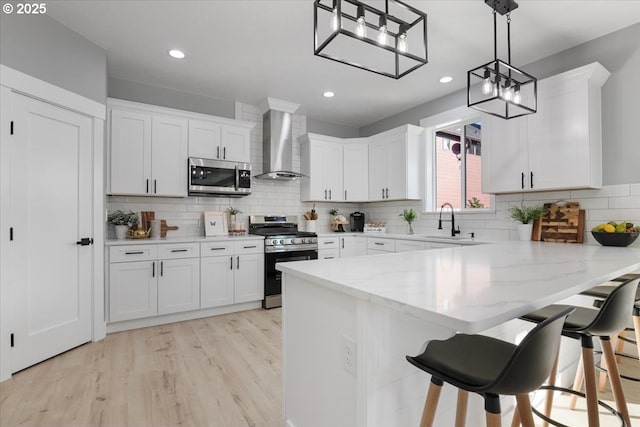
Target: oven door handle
point(237, 178)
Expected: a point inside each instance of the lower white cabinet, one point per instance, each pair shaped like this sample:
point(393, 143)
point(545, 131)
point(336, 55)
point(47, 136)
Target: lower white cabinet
point(340, 246)
point(141, 284)
point(231, 272)
point(410, 245)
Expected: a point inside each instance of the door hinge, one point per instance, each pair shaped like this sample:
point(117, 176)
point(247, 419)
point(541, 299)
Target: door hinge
point(12, 342)
point(11, 234)
point(11, 127)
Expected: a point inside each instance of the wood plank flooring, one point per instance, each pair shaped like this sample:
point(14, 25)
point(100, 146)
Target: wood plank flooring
point(222, 371)
point(219, 371)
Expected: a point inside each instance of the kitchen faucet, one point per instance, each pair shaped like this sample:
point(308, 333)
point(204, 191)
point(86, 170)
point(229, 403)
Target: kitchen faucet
point(453, 220)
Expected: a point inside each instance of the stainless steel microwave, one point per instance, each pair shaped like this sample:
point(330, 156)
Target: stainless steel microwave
point(222, 178)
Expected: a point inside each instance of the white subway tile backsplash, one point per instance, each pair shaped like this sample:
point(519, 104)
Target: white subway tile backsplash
point(606, 191)
point(631, 202)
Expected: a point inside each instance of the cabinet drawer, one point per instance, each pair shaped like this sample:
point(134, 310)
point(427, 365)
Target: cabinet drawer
point(216, 249)
point(409, 245)
point(178, 250)
point(387, 245)
point(328, 243)
point(132, 253)
point(328, 253)
point(248, 247)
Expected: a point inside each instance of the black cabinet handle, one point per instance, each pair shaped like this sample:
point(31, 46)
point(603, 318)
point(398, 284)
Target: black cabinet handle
point(345, 194)
point(217, 249)
point(342, 242)
point(155, 186)
point(238, 263)
point(179, 250)
point(147, 186)
point(378, 243)
point(329, 194)
point(224, 153)
point(231, 265)
point(153, 269)
point(531, 182)
point(387, 193)
point(85, 241)
point(217, 152)
point(134, 253)
point(161, 268)
point(522, 180)
point(325, 194)
point(383, 193)
point(250, 247)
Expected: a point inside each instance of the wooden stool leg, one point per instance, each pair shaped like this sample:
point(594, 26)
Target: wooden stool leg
point(515, 421)
point(461, 409)
point(577, 384)
point(548, 404)
point(620, 347)
point(494, 420)
point(603, 363)
point(590, 388)
point(524, 409)
point(614, 379)
point(430, 404)
point(636, 326)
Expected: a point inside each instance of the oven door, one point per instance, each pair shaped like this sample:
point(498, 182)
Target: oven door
point(273, 277)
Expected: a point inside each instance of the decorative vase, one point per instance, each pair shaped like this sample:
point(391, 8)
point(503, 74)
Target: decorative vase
point(311, 225)
point(410, 228)
point(525, 231)
point(232, 222)
point(121, 231)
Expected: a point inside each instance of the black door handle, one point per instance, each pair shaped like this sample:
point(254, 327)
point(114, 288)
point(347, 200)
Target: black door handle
point(531, 181)
point(85, 241)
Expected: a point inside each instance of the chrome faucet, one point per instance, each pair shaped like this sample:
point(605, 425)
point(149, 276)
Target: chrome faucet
point(453, 220)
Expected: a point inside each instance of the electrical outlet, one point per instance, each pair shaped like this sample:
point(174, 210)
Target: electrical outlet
point(349, 355)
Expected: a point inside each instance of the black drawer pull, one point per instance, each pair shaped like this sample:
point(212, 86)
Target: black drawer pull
point(378, 243)
point(179, 250)
point(250, 247)
point(134, 253)
point(329, 243)
point(217, 249)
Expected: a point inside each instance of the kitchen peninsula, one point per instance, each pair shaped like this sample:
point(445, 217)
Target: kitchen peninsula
point(348, 323)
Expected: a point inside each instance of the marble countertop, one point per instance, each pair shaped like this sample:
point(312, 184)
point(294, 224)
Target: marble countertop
point(187, 239)
point(418, 237)
point(473, 288)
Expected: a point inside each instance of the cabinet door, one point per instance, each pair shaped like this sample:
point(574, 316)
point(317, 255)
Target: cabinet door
point(360, 245)
point(377, 170)
point(347, 246)
point(130, 153)
point(249, 278)
point(216, 281)
point(322, 162)
point(179, 285)
point(356, 172)
point(204, 139)
point(396, 168)
point(559, 148)
point(169, 157)
point(504, 155)
point(332, 171)
point(235, 144)
point(132, 290)
point(328, 253)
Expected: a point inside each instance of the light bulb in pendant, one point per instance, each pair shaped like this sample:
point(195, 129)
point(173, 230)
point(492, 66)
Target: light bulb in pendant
point(402, 39)
point(361, 25)
point(487, 86)
point(507, 91)
point(382, 32)
point(517, 98)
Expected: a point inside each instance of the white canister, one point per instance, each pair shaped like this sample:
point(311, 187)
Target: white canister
point(155, 228)
point(311, 226)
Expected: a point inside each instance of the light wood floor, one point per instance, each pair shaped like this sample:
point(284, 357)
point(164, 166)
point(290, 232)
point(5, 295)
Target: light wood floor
point(222, 371)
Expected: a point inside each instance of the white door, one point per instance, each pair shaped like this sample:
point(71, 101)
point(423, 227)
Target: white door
point(356, 172)
point(169, 156)
point(130, 152)
point(204, 139)
point(235, 144)
point(333, 171)
point(377, 170)
point(51, 209)
point(396, 187)
point(249, 282)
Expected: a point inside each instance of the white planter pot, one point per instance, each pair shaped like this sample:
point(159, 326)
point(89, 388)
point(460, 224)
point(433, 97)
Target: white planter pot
point(525, 231)
point(121, 231)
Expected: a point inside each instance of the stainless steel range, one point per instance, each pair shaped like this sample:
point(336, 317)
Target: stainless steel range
point(283, 243)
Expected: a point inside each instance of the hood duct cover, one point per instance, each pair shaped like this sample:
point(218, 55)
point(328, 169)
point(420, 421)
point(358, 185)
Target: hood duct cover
point(277, 147)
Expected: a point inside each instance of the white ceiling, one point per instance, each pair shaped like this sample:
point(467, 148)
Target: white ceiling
point(250, 49)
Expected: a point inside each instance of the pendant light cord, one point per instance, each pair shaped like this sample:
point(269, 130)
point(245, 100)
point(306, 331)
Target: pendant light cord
point(495, 35)
point(509, 37)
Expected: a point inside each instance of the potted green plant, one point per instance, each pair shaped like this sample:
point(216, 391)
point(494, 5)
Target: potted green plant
point(233, 213)
point(525, 215)
point(121, 221)
point(409, 215)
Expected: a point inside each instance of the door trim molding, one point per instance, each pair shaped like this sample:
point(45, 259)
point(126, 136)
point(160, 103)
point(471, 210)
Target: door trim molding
point(16, 81)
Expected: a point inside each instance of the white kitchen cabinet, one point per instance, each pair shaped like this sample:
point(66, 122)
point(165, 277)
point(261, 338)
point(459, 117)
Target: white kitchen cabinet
point(557, 148)
point(133, 290)
point(322, 161)
point(410, 245)
point(347, 246)
point(328, 247)
point(395, 164)
point(377, 245)
point(216, 281)
point(147, 154)
point(213, 140)
point(356, 171)
point(248, 278)
point(179, 285)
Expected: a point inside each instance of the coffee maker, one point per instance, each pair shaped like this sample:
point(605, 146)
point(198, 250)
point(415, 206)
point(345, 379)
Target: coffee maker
point(356, 221)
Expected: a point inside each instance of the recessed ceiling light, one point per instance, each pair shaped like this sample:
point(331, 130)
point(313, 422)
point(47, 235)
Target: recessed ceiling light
point(446, 79)
point(328, 94)
point(175, 53)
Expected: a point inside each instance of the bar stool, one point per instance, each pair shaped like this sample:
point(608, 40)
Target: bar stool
point(584, 324)
point(490, 367)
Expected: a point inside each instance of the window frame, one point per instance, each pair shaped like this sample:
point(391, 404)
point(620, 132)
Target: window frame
point(457, 116)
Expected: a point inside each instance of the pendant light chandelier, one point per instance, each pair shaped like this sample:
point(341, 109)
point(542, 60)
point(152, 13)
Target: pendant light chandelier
point(497, 87)
point(391, 42)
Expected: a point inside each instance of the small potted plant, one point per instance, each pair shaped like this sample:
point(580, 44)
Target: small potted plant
point(409, 215)
point(121, 221)
point(525, 215)
point(233, 212)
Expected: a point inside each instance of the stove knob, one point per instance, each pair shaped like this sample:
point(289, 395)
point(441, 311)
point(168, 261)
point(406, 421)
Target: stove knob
point(313, 240)
point(280, 242)
point(307, 240)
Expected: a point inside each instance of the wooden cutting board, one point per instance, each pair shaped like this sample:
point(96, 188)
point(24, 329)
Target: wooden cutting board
point(164, 227)
point(561, 223)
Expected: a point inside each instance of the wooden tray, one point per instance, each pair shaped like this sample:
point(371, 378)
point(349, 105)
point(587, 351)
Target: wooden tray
point(561, 223)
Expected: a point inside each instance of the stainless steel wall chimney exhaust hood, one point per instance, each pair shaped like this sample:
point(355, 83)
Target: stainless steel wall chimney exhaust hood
point(277, 141)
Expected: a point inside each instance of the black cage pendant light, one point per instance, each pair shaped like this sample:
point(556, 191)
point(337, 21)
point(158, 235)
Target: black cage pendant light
point(391, 42)
point(497, 87)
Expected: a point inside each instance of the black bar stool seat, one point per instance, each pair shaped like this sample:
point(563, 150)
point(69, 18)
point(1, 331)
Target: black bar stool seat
point(490, 367)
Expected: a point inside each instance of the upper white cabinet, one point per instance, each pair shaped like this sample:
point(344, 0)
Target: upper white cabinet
point(212, 140)
point(149, 146)
point(395, 164)
point(559, 147)
point(356, 171)
point(322, 161)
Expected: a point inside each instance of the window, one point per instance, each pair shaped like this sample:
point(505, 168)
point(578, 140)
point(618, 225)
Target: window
point(454, 166)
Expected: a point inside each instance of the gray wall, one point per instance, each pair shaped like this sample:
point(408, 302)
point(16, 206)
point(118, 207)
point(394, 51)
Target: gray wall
point(42, 47)
point(619, 52)
point(154, 95)
point(325, 128)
